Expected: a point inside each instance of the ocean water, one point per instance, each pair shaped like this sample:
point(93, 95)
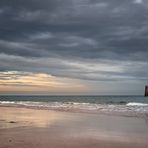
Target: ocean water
point(123, 105)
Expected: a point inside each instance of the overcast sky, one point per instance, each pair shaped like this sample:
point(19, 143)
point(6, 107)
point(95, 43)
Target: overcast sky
point(73, 47)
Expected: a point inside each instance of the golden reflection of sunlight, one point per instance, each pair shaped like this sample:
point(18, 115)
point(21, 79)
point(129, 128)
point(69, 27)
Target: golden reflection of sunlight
point(28, 117)
point(25, 81)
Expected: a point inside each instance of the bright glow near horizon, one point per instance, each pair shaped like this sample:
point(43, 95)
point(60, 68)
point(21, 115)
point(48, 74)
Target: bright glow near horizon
point(25, 81)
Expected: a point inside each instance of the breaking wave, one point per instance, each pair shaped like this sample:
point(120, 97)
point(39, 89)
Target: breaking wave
point(129, 109)
point(136, 104)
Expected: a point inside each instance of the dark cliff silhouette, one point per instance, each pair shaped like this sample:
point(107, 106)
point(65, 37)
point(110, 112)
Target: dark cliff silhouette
point(146, 91)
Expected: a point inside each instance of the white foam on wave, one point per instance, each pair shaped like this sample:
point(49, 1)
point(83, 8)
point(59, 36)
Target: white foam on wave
point(136, 104)
point(132, 108)
point(7, 102)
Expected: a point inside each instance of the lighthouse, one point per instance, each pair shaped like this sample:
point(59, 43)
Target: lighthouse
point(146, 91)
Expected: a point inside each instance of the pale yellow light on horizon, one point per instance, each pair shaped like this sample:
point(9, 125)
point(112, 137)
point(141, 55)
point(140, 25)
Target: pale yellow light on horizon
point(17, 81)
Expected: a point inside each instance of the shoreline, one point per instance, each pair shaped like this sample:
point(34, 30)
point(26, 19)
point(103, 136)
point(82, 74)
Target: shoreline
point(23, 128)
point(79, 110)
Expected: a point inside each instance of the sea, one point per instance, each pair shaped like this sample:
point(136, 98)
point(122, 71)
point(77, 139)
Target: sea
point(120, 105)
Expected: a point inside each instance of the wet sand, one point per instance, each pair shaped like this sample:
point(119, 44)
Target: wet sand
point(26, 128)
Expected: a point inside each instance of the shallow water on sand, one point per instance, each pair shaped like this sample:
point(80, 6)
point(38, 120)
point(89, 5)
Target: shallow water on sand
point(121, 105)
point(76, 124)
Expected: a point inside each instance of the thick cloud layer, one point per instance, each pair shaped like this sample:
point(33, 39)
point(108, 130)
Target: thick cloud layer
point(103, 40)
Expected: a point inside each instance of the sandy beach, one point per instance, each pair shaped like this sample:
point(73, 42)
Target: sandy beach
point(25, 128)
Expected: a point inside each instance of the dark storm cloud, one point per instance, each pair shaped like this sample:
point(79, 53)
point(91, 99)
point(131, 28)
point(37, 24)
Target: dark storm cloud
point(76, 31)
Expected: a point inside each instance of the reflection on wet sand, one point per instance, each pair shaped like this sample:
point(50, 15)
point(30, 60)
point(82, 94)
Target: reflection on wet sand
point(45, 128)
point(15, 117)
point(146, 121)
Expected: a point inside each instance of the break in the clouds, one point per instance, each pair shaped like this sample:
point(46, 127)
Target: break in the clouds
point(138, 1)
point(101, 44)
